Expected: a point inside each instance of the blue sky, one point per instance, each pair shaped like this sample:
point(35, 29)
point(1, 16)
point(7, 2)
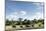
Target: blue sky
point(25, 10)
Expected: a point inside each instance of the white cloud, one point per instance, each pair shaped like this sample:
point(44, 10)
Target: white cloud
point(10, 17)
point(38, 4)
point(22, 12)
point(38, 15)
point(15, 15)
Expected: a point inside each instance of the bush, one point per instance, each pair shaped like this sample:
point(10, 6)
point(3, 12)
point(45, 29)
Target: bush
point(27, 26)
point(21, 26)
point(14, 26)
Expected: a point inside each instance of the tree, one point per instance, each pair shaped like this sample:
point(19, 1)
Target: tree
point(20, 21)
point(28, 22)
point(41, 20)
point(34, 21)
point(7, 22)
point(24, 22)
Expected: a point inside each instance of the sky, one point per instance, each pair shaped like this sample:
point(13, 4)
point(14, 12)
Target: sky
point(22, 9)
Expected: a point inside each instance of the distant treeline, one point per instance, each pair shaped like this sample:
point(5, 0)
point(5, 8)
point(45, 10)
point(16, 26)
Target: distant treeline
point(24, 22)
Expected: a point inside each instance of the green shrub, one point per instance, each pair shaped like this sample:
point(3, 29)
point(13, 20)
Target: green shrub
point(27, 26)
point(21, 26)
point(14, 26)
